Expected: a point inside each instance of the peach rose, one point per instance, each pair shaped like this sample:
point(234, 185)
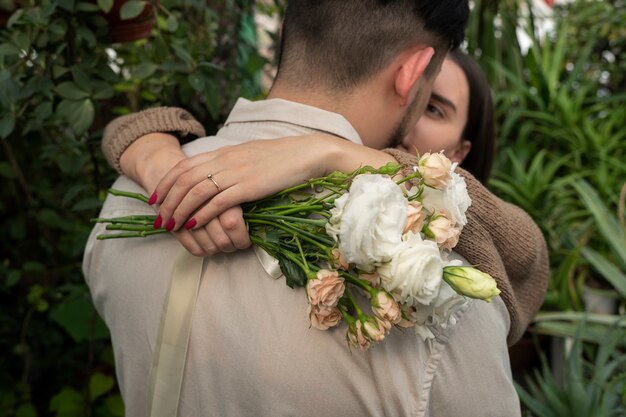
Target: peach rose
point(415, 217)
point(375, 330)
point(326, 289)
point(323, 318)
point(385, 308)
point(443, 231)
point(338, 260)
point(435, 169)
point(356, 337)
point(372, 278)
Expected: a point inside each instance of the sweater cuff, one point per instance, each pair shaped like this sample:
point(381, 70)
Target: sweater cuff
point(123, 131)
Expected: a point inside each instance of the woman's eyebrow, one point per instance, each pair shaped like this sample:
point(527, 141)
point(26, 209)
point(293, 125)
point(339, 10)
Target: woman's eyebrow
point(443, 100)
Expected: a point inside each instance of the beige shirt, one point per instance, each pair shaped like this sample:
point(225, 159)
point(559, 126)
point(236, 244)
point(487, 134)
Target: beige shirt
point(252, 351)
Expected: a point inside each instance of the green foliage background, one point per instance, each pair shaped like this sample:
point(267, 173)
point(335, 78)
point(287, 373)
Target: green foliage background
point(61, 81)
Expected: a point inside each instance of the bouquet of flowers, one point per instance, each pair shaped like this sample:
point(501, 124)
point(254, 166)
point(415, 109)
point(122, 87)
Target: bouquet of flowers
point(364, 232)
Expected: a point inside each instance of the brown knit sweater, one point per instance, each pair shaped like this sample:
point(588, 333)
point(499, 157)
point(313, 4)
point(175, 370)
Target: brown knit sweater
point(499, 238)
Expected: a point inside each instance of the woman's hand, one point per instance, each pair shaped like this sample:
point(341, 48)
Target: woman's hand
point(251, 171)
point(147, 160)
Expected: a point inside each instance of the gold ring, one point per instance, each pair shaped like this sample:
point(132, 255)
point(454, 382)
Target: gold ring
point(210, 176)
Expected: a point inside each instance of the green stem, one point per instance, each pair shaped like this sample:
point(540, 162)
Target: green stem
point(135, 234)
point(319, 223)
point(354, 303)
point(130, 227)
point(292, 231)
point(361, 283)
point(147, 220)
point(136, 196)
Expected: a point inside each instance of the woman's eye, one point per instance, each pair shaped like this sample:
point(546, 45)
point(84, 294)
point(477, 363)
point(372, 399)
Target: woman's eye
point(434, 111)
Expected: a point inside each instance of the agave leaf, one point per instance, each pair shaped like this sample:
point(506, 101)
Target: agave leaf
point(608, 225)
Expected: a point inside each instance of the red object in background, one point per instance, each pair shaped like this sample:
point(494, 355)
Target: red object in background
point(549, 2)
point(130, 30)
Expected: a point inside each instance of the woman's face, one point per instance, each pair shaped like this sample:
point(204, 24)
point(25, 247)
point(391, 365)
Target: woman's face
point(441, 126)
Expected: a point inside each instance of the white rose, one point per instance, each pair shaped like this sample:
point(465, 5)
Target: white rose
point(414, 274)
point(368, 220)
point(453, 199)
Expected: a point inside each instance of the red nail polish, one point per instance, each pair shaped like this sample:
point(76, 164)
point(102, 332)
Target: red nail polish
point(153, 199)
point(170, 224)
point(158, 222)
point(190, 224)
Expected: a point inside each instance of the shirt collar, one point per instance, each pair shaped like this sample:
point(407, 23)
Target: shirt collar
point(285, 111)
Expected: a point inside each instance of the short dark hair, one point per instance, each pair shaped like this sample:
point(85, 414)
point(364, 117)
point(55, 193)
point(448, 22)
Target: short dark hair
point(480, 126)
point(339, 44)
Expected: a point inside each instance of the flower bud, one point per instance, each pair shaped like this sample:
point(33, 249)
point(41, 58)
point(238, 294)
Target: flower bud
point(442, 230)
point(374, 330)
point(385, 308)
point(435, 169)
point(338, 260)
point(356, 337)
point(471, 282)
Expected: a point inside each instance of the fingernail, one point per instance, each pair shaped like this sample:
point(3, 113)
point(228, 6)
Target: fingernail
point(190, 224)
point(170, 224)
point(157, 222)
point(153, 199)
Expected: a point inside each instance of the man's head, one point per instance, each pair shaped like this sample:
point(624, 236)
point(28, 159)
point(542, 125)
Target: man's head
point(338, 46)
point(341, 43)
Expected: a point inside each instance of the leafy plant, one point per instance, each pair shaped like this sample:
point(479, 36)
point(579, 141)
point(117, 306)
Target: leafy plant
point(593, 384)
point(61, 81)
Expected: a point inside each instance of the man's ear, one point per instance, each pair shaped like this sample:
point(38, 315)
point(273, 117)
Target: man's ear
point(411, 69)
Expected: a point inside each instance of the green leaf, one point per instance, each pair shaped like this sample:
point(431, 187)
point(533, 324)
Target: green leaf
point(99, 384)
point(87, 7)
point(7, 124)
point(115, 405)
point(6, 170)
point(608, 270)
point(132, 9)
point(172, 23)
point(102, 90)
point(294, 275)
point(6, 49)
point(144, 70)
point(71, 91)
point(79, 114)
point(67, 403)
point(82, 80)
point(105, 5)
point(79, 319)
point(66, 4)
point(12, 278)
point(196, 81)
point(26, 410)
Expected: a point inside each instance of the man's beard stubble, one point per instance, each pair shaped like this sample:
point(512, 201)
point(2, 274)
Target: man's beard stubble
point(401, 129)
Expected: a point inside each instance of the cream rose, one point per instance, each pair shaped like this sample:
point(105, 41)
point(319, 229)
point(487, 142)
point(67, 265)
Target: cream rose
point(414, 273)
point(435, 169)
point(366, 220)
point(442, 230)
point(326, 289)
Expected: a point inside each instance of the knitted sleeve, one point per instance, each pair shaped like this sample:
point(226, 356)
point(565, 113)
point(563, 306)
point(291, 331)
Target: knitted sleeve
point(120, 133)
point(503, 241)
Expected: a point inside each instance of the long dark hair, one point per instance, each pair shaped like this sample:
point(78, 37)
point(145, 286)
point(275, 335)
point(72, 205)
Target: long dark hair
point(479, 128)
